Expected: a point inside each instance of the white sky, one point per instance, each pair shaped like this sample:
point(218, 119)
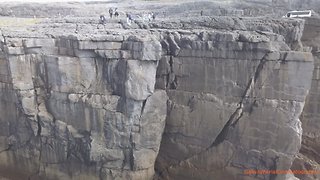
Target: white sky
point(45, 1)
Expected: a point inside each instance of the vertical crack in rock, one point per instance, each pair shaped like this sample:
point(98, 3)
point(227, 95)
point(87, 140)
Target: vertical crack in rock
point(46, 78)
point(173, 45)
point(46, 87)
point(131, 158)
point(38, 120)
point(96, 67)
point(39, 125)
point(124, 159)
point(238, 113)
point(143, 106)
point(234, 118)
point(173, 50)
point(37, 108)
point(167, 80)
point(172, 79)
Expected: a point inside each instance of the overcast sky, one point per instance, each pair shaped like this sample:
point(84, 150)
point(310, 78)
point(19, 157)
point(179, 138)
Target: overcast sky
point(46, 0)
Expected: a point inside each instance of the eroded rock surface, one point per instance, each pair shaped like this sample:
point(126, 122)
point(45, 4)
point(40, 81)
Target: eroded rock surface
point(89, 102)
point(309, 158)
point(241, 110)
point(77, 108)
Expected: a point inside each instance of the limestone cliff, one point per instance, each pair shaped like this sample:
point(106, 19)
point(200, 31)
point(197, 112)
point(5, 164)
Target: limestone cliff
point(235, 98)
point(78, 108)
point(86, 103)
point(309, 158)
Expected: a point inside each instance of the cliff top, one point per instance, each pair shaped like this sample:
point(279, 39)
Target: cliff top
point(74, 21)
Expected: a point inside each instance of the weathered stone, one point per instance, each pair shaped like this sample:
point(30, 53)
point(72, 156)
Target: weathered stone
point(42, 50)
point(252, 37)
point(309, 158)
point(28, 103)
point(99, 45)
point(111, 158)
point(113, 54)
point(83, 53)
point(22, 70)
point(111, 38)
point(83, 104)
point(223, 36)
point(79, 73)
point(140, 80)
point(298, 56)
point(152, 121)
point(144, 159)
point(28, 43)
point(145, 50)
point(14, 50)
point(14, 42)
point(238, 108)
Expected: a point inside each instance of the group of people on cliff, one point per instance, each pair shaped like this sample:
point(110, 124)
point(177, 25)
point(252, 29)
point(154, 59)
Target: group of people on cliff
point(113, 13)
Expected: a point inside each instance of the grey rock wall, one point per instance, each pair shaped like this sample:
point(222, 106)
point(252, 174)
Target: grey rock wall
point(309, 153)
point(241, 111)
point(213, 96)
point(80, 108)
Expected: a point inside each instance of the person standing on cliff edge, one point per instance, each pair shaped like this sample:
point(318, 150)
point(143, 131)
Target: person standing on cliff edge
point(129, 18)
point(116, 14)
point(110, 12)
point(153, 16)
point(102, 21)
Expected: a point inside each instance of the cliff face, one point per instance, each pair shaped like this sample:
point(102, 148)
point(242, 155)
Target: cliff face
point(234, 103)
point(227, 96)
point(80, 108)
point(309, 153)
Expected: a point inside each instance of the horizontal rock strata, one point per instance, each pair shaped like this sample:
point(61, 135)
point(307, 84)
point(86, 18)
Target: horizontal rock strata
point(75, 108)
point(235, 98)
point(90, 102)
